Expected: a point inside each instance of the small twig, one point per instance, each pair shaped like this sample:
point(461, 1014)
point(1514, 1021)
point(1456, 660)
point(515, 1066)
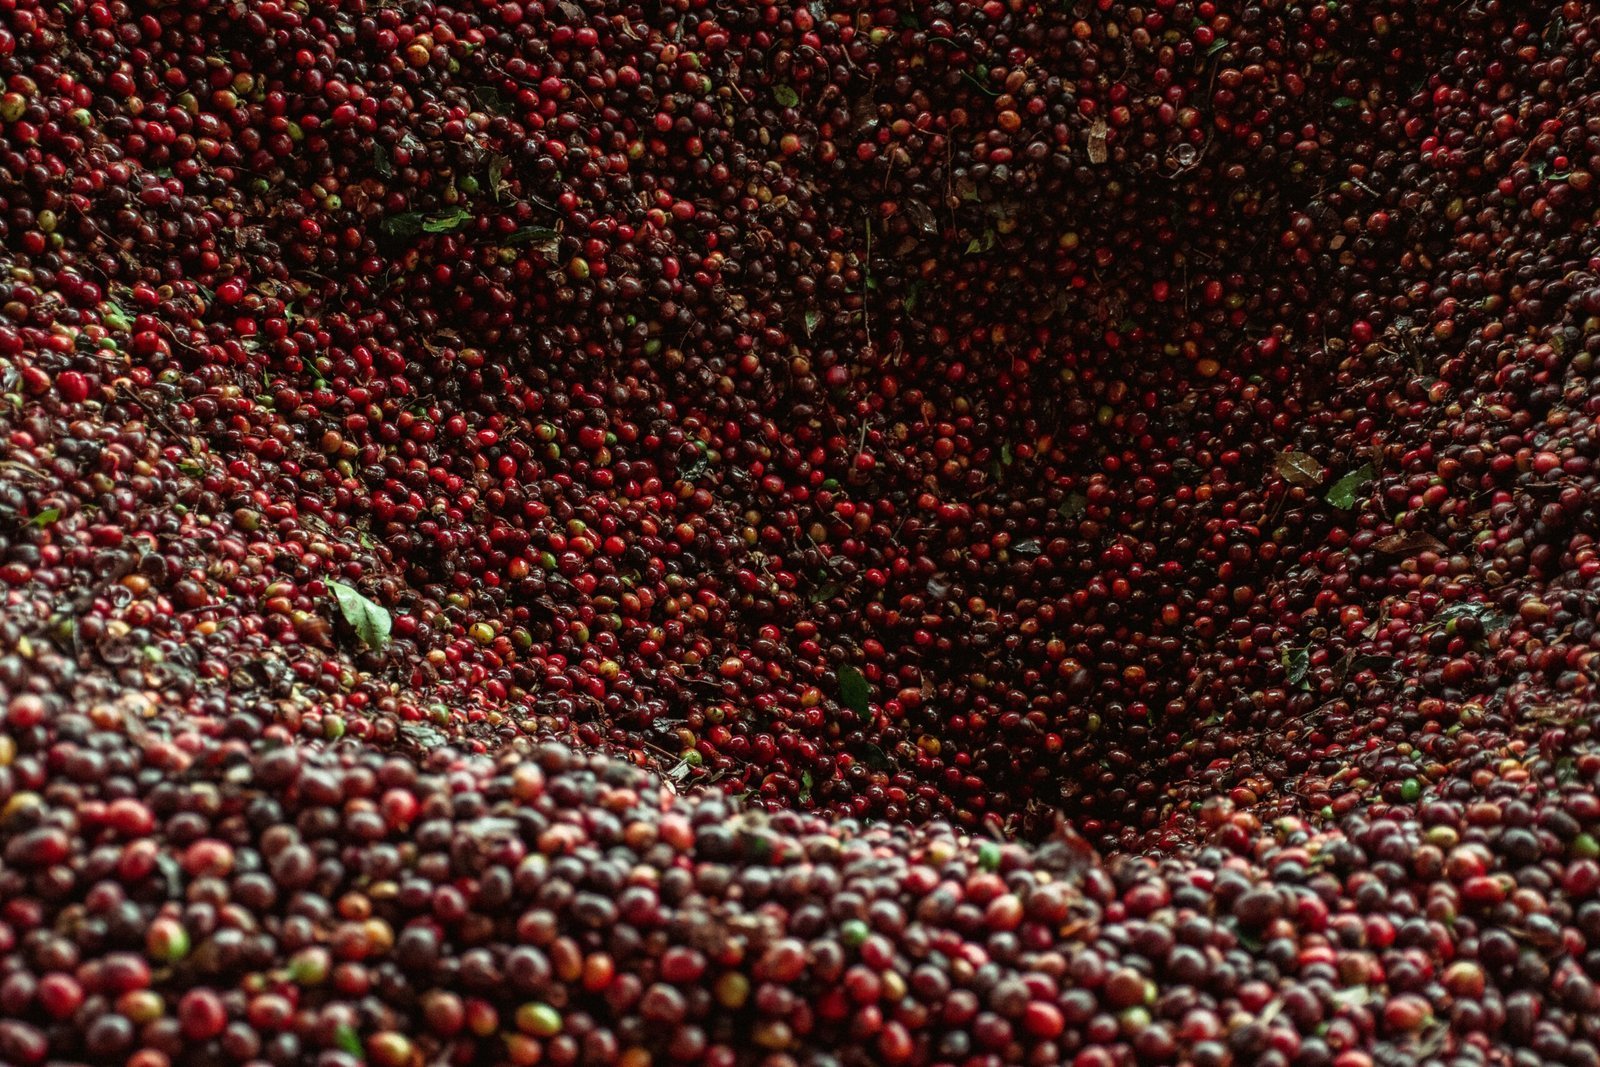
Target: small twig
point(866, 286)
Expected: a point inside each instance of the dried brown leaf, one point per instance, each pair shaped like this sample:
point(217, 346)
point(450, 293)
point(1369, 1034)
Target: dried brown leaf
point(1097, 141)
point(1411, 541)
point(1298, 469)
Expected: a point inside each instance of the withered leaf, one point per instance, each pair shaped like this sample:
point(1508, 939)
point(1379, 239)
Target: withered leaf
point(1298, 469)
point(1097, 141)
point(1407, 542)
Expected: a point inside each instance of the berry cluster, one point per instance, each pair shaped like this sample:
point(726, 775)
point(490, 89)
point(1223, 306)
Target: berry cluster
point(592, 532)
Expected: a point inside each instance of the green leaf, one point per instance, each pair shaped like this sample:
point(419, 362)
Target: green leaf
point(491, 99)
point(349, 1041)
point(424, 736)
point(697, 467)
point(806, 782)
point(980, 86)
point(497, 174)
point(1487, 617)
point(913, 296)
point(854, 691)
point(875, 758)
point(403, 226)
point(45, 518)
point(1343, 102)
point(1007, 457)
point(1074, 505)
point(1218, 45)
point(1367, 661)
point(1342, 493)
point(1296, 663)
point(410, 225)
point(381, 162)
point(114, 317)
point(785, 96)
point(446, 221)
point(757, 845)
point(540, 238)
point(370, 621)
point(825, 590)
point(812, 318)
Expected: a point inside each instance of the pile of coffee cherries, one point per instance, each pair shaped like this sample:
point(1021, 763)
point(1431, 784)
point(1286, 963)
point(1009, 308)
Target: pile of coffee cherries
point(581, 532)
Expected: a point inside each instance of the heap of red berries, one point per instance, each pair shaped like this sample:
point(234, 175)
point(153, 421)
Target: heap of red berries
point(580, 532)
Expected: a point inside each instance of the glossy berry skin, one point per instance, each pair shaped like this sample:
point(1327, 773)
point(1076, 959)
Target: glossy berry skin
point(960, 533)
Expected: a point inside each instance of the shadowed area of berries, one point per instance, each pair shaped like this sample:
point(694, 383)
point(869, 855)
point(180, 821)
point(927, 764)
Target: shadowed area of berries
point(600, 533)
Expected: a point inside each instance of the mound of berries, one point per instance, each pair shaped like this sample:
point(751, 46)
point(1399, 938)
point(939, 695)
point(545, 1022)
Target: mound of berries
point(208, 891)
point(576, 532)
